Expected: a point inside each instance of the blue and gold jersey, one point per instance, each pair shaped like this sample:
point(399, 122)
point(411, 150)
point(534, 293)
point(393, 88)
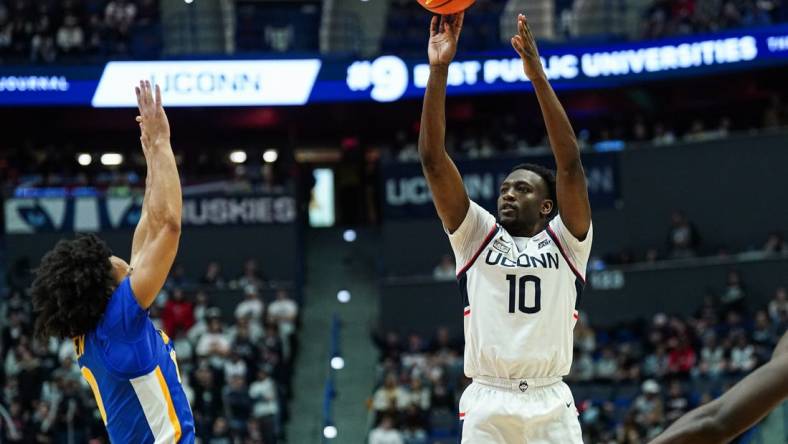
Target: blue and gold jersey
point(132, 370)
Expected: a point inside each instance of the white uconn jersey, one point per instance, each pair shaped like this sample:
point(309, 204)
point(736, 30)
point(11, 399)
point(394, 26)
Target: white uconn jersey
point(519, 300)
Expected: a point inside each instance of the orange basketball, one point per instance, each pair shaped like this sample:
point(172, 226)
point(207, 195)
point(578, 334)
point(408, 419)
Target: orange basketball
point(446, 7)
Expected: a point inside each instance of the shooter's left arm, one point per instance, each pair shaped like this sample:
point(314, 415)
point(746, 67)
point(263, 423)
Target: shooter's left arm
point(572, 189)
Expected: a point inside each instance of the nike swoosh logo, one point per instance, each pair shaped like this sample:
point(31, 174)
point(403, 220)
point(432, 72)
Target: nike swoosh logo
point(568, 404)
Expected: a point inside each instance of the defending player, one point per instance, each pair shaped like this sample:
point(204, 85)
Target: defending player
point(739, 408)
point(519, 278)
point(83, 292)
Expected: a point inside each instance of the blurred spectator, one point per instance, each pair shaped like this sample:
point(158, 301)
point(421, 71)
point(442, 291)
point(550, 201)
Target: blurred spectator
point(663, 136)
point(178, 278)
point(19, 277)
point(762, 334)
point(779, 304)
point(200, 305)
point(713, 362)
point(42, 44)
point(213, 276)
point(214, 342)
point(742, 355)
point(220, 434)
point(683, 237)
point(774, 244)
point(237, 404)
point(677, 403)
point(390, 398)
point(265, 404)
point(385, 433)
point(582, 367)
point(178, 314)
point(417, 396)
point(682, 357)
point(607, 365)
point(733, 297)
point(772, 117)
point(283, 312)
point(443, 344)
point(245, 329)
point(252, 306)
point(207, 404)
point(445, 270)
point(251, 275)
point(234, 367)
point(648, 407)
point(70, 38)
point(15, 331)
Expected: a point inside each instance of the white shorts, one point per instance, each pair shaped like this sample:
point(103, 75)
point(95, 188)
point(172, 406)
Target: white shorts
point(529, 414)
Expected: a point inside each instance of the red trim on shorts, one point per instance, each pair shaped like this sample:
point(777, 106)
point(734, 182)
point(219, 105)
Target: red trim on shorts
point(462, 415)
point(467, 311)
point(575, 315)
point(487, 240)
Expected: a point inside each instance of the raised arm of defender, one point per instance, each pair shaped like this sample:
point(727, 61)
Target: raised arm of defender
point(141, 231)
point(571, 185)
point(154, 251)
point(448, 191)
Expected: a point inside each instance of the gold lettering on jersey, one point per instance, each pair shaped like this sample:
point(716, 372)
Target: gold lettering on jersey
point(543, 260)
point(79, 346)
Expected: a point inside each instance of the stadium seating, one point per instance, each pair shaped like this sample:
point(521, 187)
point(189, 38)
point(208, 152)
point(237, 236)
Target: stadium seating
point(628, 380)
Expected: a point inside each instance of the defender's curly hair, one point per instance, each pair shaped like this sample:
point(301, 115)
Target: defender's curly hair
point(72, 287)
point(548, 176)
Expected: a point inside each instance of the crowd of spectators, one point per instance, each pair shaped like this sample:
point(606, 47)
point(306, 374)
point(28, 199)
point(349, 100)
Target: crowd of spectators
point(487, 136)
point(235, 367)
point(681, 17)
point(684, 241)
point(406, 21)
point(277, 27)
point(48, 31)
point(629, 381)
point(53, 166)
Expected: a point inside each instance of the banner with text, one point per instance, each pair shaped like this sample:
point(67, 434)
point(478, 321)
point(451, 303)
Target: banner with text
point(390, 78)
point(406, 194)
point(87, 214)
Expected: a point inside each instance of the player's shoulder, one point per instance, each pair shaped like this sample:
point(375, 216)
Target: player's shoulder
point(123, 317)
point(120, 301)
point(557, 226)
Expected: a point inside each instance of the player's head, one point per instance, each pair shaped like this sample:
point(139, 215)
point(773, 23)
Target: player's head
point(73, 285)
point(527, 197)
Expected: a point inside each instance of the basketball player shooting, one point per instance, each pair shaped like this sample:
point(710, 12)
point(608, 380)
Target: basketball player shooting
point(728, 416)
point(520, 276)
point(82, 291)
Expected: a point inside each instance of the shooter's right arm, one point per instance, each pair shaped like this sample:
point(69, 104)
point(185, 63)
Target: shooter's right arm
point(443, 178)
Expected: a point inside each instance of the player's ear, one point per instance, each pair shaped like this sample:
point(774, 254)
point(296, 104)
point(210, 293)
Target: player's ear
point(547, 207)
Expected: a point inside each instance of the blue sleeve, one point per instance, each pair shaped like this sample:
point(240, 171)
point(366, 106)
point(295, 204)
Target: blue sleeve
point(124, 319)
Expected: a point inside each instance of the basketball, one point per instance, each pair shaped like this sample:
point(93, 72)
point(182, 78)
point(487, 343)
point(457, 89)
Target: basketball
point(446, 7)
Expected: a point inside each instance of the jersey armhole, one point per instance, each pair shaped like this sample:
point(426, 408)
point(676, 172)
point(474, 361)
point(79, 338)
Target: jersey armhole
point(490, 235)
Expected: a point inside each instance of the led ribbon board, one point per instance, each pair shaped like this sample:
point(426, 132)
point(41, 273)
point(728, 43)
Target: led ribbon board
point(390, 78)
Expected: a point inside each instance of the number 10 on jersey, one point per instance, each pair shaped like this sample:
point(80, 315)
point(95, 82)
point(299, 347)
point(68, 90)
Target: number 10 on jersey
point(517, 290)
